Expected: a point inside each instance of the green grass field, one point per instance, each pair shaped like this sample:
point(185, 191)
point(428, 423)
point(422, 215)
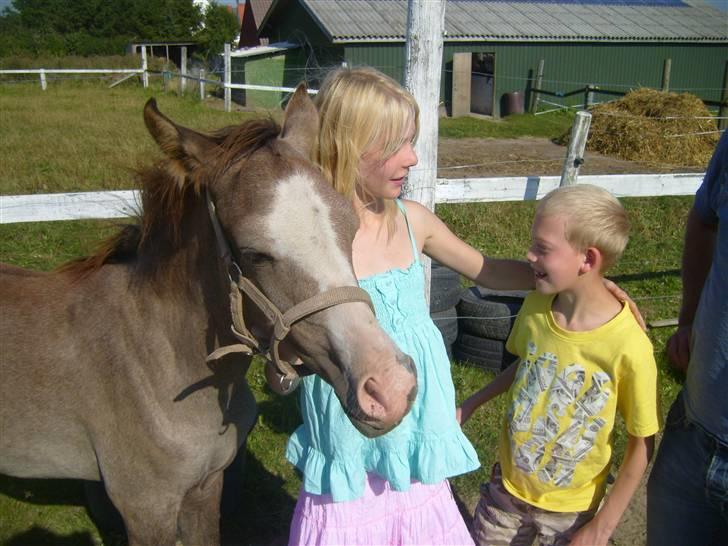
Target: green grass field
point(86, 137)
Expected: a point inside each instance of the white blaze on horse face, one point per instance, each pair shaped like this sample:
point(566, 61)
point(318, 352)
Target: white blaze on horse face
point(305, 233)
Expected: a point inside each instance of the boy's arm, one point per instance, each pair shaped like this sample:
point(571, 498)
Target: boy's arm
point(636, 457)
point(496, 387)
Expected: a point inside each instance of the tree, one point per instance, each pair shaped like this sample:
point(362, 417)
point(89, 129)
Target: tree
point(220, 27)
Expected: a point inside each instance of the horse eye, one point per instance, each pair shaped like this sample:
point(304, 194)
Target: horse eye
point(255, 257)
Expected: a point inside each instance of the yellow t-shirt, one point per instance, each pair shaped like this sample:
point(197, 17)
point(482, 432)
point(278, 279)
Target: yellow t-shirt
point(556, 443)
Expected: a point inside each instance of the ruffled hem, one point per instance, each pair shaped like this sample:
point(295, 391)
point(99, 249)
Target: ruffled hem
point(427, 461)
point(424, 515)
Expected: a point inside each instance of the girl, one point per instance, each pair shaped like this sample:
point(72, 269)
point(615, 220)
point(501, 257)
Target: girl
point(392, 489)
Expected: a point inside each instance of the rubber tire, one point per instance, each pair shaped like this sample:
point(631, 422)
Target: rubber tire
point(445, 287)
point(485, 353)
point(447, 322)
point(479, 315)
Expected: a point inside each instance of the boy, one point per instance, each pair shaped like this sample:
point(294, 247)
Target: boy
point(582, 357)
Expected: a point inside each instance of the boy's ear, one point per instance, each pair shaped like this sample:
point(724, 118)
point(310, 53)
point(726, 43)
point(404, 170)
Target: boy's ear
point(592, 260)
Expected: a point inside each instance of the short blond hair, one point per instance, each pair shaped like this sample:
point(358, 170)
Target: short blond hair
point(360, 110)
point(593, 218)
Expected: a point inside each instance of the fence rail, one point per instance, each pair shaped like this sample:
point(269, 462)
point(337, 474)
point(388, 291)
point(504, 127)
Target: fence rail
point(119, 204)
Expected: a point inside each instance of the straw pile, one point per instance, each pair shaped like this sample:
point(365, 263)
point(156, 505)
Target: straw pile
point(654, 127)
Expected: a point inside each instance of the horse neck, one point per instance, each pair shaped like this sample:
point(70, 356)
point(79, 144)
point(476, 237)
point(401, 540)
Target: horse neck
point(191, 275)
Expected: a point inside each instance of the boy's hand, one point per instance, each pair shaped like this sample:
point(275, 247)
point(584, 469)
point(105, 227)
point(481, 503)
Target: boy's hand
point(591, 535)
point(463, 413)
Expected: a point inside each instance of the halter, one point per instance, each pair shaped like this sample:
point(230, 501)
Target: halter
point(282, 322)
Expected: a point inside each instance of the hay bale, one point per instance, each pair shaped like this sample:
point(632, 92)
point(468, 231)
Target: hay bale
point(653, 127)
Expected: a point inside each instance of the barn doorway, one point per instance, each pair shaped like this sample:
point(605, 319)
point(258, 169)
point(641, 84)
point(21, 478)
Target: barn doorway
point(482, 82)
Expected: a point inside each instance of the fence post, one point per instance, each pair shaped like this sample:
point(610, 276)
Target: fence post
point(589, 96)
point(575, 152)
point(202, 84)
point(422, 76)
point(228, 91)
point(183, 71)
point(145, 74)
point(723, 110)
point(535, 93)
point(43, 84)
point(666, 75)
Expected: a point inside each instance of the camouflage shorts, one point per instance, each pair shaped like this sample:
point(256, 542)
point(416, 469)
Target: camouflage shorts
point(502, 519)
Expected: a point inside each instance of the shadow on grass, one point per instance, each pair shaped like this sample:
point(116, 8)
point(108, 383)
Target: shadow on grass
point(41, 537)
point(644, 276)
point(256, 510)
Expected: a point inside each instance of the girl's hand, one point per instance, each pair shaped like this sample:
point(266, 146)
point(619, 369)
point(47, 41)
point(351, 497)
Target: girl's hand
point(621, 295)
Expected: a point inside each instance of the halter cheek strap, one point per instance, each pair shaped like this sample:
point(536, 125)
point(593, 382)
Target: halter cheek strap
point(282, 322)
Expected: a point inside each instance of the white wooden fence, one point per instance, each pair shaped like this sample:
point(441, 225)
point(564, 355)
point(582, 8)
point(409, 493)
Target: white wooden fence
point(119, 204)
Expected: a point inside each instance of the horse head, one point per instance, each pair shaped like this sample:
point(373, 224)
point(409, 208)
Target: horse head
point(290, 237)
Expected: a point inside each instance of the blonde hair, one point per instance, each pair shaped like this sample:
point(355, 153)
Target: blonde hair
point(594, 218)
point(361, 110)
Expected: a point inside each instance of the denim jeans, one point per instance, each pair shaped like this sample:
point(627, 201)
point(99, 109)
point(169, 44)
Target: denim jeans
point(687, 492)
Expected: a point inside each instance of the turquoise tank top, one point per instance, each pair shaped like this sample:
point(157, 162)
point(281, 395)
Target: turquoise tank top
point(427, 446)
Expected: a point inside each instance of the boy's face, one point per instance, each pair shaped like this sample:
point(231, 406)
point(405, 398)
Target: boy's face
point(555, 263)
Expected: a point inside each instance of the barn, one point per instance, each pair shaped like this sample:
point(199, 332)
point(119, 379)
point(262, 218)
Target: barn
point(498, 53)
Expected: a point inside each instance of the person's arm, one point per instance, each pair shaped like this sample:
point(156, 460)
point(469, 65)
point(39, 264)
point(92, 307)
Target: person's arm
point(636, 457)
point(493, 389)
point(495, 273)
point(441, 244)
point(697, 258)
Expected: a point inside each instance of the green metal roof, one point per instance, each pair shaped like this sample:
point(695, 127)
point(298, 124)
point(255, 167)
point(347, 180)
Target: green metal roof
point(362, 21)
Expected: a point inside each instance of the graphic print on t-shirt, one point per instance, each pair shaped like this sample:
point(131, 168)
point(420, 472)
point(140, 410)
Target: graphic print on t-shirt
point(567, 426)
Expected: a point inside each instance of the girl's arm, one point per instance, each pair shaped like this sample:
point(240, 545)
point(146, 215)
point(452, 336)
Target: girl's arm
point(636, 457)
point(495, 388)
point(443, 245)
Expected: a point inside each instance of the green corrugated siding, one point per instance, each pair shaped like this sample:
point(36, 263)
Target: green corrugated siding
point(389, 58)
point(696, 68)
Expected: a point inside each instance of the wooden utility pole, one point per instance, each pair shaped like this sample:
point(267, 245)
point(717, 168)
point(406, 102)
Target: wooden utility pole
point(423, 71)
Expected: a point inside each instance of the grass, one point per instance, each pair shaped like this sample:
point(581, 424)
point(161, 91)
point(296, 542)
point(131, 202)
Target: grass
point(83, 137)
point(549, 126)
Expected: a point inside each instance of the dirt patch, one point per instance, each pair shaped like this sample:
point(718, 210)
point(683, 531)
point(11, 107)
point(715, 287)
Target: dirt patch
point(487, 157)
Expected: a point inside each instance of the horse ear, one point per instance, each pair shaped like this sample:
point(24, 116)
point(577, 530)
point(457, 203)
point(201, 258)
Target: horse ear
point(179, 143)
point(300, 122)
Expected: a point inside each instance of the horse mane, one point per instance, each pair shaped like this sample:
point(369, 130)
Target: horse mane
point(167, 198)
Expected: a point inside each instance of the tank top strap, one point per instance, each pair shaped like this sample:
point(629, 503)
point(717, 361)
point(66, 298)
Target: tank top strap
point(415, 252)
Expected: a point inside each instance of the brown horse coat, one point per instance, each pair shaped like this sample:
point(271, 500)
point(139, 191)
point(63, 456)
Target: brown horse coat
point(103, 371)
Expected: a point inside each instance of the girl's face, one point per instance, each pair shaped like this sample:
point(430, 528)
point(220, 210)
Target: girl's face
point(555, 263)
point(383, 179)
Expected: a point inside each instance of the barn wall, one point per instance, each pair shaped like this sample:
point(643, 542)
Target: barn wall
point(696, 68)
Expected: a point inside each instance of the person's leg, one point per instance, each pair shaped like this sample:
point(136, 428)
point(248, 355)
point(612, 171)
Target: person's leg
point(683, 506)
point(500, 518)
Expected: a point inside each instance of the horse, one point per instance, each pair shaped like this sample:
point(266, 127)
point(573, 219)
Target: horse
point(128, 366)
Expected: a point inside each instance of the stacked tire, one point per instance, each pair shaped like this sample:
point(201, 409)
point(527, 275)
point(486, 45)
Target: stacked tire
point(445, 290)
point(485, 321)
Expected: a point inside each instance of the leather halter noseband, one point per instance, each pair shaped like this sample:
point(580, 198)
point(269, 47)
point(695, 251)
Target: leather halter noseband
point(282, 322)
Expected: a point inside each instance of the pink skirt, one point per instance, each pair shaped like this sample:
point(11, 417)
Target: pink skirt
point(426, 515)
